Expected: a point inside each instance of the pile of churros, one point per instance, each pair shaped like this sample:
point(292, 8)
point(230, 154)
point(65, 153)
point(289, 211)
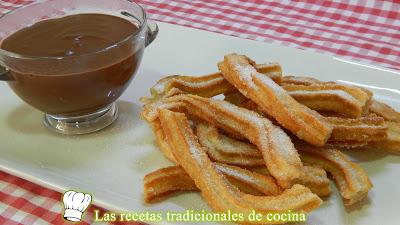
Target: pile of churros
point(248, 138)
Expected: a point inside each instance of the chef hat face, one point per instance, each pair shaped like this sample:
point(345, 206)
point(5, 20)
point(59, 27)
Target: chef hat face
point(75, 203)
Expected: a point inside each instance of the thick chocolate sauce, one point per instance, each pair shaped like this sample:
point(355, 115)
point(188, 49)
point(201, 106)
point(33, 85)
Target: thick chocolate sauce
point(98, 58)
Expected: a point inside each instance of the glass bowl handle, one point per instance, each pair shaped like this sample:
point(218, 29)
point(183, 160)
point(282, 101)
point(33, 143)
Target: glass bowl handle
point(5, 74)
point(152, 31)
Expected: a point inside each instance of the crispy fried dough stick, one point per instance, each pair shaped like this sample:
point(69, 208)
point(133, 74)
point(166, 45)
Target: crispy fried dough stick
point(352, 181)
point(391, 143)
point(248, 181)
point(313, 178)
point(385, 111)
point(316, 179)
point(278, 152)
point(160, 140)
point(240, 160)
point(274, 100)
point(346, 132)
point(347, 100)
point(364, 129)
point(298, 80)
point(166, 181)
point(208, 85)
point(215, 188)
point(223, 149)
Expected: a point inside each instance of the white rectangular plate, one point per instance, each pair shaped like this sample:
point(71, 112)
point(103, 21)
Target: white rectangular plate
point(111, 164)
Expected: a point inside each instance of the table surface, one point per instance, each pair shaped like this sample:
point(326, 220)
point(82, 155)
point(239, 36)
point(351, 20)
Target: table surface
point(364, 31)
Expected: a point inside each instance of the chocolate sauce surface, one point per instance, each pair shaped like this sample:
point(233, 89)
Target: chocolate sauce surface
point(69, 35)
point(99, 59)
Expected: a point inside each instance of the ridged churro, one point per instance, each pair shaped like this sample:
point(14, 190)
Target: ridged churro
point(352, 181)
point(391, 143)
point(207, 85)
point(215, 188)
point(351, 101)
point(348, 100)
point(233, 151)
point(248, 181)
point(164, 182)
point(278, 152)
point(298, 80)
point(364, 129)
point(385, 111)
point(346, 132)
point(160, 140)
point(314, 178)
point(274, 100)
point(167, 181)
point(226, 150)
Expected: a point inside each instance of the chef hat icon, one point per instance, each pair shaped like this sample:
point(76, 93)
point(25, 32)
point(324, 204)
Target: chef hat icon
point(75, 203)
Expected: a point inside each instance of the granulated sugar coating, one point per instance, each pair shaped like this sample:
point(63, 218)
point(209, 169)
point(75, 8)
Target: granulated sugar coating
point(275, 145)
point(275, 101)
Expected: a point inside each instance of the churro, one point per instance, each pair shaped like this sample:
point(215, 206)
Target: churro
point(298, 80)
point(364, 129)
point(385, 111)
point(314, 178)
point(348, 100)
point(351, 101)
point(352, 181)
point(278, 152)
point(215, 188)
point(391, 143)
point(208, 85)
point(248, 155)
point(160, 140)
point(223, 149)
point(164, 182)
point(248, 181)
point(346, 132)
point(274, 100)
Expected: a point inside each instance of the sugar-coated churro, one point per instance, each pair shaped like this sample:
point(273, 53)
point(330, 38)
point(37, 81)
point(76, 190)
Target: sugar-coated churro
point(298, 80)
point(348, 100)
point(208, 85)
point(363, 129)
point(391, 143)
point(248, 181)
point(233, 151)
point(226, 150)
point(274, 100)
point(215, 188)
point(313, 177)
point(316, 179)
point(385, 111)
point(278, 152)
point(346, 132)
point(352, 181)
point(163, 182)
point(160, 140)
point(167, 181)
